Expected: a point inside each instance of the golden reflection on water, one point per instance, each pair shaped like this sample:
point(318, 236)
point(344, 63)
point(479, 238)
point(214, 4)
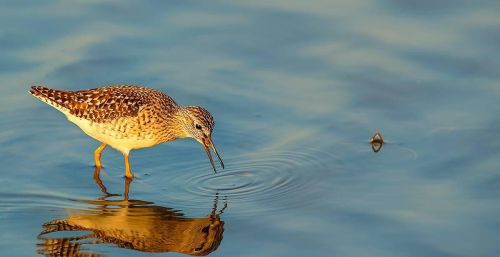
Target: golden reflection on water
point(131, 224)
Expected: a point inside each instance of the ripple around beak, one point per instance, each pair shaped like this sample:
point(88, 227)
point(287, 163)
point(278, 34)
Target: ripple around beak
point(273, 179)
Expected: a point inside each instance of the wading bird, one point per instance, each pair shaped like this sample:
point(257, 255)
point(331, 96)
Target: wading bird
point(131, 117)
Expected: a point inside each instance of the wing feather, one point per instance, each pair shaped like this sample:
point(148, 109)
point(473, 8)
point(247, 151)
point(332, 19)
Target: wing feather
point(104, 103)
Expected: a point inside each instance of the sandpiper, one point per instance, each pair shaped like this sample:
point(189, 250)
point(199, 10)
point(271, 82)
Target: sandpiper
point(129, 117)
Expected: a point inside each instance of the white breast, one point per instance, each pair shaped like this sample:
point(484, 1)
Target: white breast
point(117, 134)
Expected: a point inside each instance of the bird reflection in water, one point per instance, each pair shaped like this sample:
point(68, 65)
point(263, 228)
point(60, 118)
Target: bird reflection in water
point(132, 224)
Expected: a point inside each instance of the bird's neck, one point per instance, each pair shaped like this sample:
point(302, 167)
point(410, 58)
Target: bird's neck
point(175, 125)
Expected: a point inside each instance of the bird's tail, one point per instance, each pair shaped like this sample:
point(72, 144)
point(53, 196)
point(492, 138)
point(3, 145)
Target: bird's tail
point(59, 99)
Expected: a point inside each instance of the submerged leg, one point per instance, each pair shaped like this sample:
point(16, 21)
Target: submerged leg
point(128, 172)
point(98, 180)
point(127, 185)
point(97, 155)
point(101, 185)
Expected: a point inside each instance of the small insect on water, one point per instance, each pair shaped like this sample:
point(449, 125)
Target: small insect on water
point(377, 141)
point(128, 117)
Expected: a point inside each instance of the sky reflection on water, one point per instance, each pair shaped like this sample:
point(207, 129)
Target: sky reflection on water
point(297, 88)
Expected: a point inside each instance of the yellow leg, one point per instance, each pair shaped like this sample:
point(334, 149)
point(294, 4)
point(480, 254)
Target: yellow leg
point(97, 155)
point(128, 172)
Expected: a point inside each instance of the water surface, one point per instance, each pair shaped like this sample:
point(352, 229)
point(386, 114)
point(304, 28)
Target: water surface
point(297, 88)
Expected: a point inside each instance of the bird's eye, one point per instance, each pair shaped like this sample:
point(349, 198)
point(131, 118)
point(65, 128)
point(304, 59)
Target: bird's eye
point(198, 126)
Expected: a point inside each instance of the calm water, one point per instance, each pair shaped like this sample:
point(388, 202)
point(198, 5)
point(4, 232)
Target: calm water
point(297, 89)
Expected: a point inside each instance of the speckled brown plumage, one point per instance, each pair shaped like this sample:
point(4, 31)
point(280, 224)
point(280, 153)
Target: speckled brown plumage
point(130, 117)
point(105, 104)
point(204, 116)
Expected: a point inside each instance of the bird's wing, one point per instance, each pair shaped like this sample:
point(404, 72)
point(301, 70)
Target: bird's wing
point(107, 103)
point(104, 103)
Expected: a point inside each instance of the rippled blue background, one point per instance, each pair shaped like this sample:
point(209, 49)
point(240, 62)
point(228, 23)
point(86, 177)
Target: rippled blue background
point(296, 88)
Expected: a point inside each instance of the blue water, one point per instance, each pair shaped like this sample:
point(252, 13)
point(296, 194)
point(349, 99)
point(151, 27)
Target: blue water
point(297, 88)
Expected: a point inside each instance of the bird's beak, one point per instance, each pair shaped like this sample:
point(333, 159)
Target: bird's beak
point(208, 143)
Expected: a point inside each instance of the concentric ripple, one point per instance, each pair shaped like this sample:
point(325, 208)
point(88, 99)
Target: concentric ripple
point(261, 182)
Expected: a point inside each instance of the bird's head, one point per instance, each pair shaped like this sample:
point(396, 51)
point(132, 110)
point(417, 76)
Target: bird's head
point(199, 124)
